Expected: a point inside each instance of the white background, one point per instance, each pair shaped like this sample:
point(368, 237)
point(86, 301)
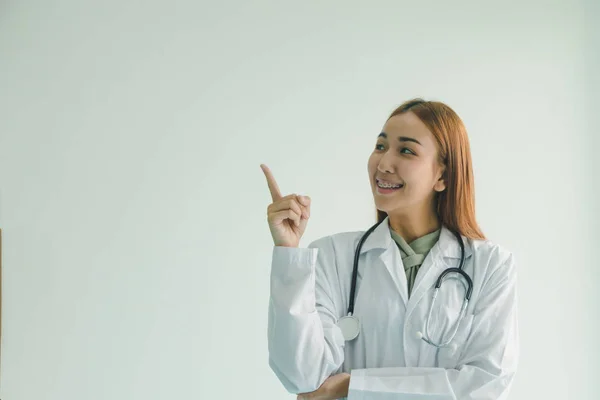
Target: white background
point(136, 247)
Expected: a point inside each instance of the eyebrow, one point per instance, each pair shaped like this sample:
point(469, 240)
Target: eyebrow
point(401, 138)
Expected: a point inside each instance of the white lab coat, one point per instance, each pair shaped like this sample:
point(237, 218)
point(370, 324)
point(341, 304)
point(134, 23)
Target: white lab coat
point(310, 290)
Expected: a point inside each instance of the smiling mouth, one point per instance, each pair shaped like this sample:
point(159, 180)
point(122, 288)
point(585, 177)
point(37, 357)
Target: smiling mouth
point(390, 186)
point(387, 190)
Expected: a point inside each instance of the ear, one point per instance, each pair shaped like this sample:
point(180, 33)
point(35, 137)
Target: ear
point(440, 185)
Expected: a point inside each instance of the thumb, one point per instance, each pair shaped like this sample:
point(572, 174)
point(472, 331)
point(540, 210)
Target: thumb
point(305, 205)
point(304, 200)
point(303, 223)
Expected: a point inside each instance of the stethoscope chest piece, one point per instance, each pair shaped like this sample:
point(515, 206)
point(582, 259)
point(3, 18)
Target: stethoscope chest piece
point(350, 327)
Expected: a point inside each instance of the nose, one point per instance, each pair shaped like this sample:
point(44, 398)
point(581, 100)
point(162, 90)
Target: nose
point(384, 166)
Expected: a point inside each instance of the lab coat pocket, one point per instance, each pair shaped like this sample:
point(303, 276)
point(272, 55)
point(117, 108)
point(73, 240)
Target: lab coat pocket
point(448, 356)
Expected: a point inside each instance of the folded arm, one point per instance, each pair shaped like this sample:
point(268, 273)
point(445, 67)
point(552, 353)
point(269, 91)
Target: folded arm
point(487, 363)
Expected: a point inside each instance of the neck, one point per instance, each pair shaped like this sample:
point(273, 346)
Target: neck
point(414, 225)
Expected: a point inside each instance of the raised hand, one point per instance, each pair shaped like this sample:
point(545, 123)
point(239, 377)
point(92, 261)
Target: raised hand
point(287, 216)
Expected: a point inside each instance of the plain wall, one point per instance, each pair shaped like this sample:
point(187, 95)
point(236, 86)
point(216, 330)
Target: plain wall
point(136, 251)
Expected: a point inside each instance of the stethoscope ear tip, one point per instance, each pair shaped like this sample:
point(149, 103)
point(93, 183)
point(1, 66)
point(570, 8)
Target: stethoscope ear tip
point(419, 335)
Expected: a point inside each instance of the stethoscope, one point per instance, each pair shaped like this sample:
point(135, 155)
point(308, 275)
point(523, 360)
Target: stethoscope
point(350, 325)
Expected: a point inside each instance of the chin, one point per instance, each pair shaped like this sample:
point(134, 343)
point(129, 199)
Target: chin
point(386, 205)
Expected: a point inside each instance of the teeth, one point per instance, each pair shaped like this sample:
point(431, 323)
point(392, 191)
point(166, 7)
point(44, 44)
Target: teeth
point(387, 185)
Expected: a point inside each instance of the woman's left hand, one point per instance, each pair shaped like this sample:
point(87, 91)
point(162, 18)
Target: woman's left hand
point(334, 387)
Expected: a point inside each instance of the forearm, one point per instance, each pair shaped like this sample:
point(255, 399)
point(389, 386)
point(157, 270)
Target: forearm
point(305, 348)
point(469, 382)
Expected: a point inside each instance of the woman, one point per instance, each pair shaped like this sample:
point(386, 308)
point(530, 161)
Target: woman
point(408, 345)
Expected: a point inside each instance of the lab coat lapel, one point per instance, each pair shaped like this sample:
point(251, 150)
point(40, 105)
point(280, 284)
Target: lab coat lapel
point(438, 259)
point(381, 238)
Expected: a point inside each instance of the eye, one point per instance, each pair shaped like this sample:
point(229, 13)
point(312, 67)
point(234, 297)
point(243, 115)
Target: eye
point(406, 148)
point(378, 144)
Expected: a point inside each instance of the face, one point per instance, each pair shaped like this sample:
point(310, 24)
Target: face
point(405, 154)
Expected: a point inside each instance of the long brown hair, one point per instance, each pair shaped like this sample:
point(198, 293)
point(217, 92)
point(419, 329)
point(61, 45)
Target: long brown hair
point(456, 204)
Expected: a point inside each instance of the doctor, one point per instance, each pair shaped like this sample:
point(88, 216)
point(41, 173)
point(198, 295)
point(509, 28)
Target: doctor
point(459, 341)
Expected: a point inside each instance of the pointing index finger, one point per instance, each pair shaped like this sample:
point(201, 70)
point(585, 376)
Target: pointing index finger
point(273, 188)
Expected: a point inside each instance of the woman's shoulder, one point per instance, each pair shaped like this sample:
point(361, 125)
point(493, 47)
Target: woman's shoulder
point(495, 255)
point(334, 254)
point(337, 240)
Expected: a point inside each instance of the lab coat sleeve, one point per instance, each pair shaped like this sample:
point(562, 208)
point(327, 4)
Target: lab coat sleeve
point(305, 345)
point(486, 366)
